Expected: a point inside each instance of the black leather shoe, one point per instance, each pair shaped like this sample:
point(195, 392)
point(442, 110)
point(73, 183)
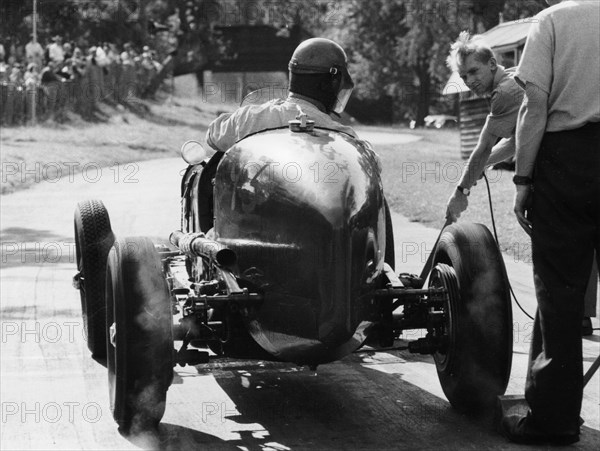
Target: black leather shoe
point(518, 429)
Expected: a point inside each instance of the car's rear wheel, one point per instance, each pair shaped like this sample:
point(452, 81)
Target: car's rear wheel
point(93, 239)
point(139, 335)
point(474, 362)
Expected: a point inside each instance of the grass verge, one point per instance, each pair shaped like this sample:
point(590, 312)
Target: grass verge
point(419, 177)
point(146, 130)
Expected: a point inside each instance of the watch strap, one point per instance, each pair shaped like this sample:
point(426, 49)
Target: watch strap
point(465, 191)
point(522, 180)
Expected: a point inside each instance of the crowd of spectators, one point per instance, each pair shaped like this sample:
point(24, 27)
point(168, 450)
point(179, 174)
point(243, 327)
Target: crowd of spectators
point(62, 74)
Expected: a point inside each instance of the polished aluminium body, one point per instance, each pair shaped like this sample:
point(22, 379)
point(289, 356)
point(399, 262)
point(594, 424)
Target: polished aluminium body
point(304, 213)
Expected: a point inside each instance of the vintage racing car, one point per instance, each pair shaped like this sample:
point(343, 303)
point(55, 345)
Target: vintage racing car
point(291, 258)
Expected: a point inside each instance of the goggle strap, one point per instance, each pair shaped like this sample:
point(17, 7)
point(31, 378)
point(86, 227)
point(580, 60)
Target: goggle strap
point(303, 68)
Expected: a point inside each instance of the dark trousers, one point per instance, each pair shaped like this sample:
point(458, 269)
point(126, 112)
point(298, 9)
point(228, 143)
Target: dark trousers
point(566, 230)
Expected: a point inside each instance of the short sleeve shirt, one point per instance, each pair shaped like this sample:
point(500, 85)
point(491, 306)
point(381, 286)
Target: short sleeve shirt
point(56, 53)
point(562, 57)
point(505, 102)
point(34, 53)
point(229, 128)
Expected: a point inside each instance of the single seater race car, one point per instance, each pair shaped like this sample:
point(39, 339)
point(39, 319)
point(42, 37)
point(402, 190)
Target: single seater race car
point(286, 252)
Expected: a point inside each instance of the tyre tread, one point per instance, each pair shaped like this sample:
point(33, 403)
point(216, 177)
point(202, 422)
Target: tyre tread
point(92, 223)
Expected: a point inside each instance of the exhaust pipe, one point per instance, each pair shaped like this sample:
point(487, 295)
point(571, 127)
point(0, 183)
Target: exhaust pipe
point(197, 245)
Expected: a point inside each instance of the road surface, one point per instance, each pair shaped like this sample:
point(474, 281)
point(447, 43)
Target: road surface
point(54, 396)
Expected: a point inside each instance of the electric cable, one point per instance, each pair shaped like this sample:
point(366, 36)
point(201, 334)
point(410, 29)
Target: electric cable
point(487, 184)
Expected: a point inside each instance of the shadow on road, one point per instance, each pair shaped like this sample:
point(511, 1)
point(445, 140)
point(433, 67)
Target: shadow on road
point(174, 437)
point(345, 403)
point(281, 406)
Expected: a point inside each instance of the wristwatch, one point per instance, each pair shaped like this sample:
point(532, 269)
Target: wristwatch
point(465, 191)
point(522, 180)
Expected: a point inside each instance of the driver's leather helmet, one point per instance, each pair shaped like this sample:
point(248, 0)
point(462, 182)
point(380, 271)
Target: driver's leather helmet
point(318, 70)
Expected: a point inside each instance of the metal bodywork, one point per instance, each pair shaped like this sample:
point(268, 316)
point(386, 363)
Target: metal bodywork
point(304, 213)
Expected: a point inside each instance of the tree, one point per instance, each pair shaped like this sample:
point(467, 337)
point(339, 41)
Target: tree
point(519, 9)
point(398, 48)
point(84, 22)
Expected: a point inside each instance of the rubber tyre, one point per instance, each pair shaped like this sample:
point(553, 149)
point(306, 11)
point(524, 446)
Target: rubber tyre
point(390, 253)
point(475, 367)
point(140, 362)
point(93, 240)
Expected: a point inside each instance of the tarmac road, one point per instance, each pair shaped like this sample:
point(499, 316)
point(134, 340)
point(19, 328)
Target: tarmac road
point(54, 396)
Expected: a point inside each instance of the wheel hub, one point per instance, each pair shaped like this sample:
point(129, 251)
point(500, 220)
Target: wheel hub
point(445, 276)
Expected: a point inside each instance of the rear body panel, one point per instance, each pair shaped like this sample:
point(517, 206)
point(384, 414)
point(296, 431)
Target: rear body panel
point(305, 214)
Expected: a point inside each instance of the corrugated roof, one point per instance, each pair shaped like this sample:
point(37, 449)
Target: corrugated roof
point(508, 34)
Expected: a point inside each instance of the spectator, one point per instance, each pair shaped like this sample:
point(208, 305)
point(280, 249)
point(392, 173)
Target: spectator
point(145, 69)
point(78, 63)
point(127, 86)
point(34, 53)
point(66, 71)
point(94, 81)
point(112, 53)
point(31, 78)
point(68, 50)
point(3, 71)
point(50, 87)
point(16, 74)
point(126, 56)
point(154, 58)
point(100, 56)
point(56, 53)
point(11, 51)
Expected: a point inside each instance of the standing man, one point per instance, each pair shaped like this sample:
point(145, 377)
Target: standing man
point(34, 52)
point(475, 63)
point(56, 52)
point(558, 204)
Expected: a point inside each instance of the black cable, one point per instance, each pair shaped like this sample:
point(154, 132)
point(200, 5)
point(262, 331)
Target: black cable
point(487, 184)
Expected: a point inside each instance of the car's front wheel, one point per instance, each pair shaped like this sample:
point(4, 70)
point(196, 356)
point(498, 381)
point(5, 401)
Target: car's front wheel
point(474, 362)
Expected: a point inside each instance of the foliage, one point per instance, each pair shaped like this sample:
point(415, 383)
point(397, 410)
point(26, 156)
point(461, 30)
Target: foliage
point(419, 176)
point(201, 20)
point(519, 9)
point(398, 47)
point(85, 22)
point(407, 64)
